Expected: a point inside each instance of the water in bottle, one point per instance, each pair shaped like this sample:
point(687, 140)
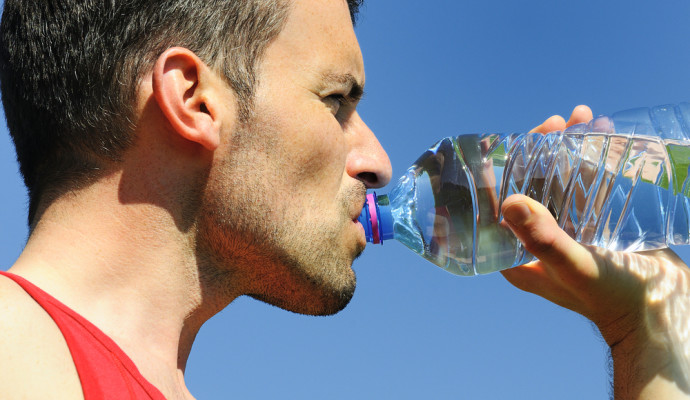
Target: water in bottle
point(619, 182)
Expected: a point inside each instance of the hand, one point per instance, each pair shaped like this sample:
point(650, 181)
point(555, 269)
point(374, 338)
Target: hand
point(639, 301)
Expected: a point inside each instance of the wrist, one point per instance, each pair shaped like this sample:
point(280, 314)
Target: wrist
point(645, 368)
point(650, 346)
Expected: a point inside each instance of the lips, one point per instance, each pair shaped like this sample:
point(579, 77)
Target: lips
point(355, 198)
point(357, 210)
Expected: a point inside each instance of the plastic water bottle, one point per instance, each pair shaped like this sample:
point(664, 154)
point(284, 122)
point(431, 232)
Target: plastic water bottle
point(618, 182)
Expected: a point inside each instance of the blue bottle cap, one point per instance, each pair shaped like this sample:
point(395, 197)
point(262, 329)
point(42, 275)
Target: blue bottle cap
point(376, 219)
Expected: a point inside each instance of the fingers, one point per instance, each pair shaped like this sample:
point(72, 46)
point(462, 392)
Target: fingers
point(580, 115)
point(553, 123)
point(533, 278)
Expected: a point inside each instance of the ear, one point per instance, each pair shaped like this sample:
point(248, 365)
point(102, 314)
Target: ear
point(186, 91)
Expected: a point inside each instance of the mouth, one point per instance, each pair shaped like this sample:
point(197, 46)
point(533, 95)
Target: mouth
point(361, 238)
point(355, 217)
point(355, 220)
point(357, 199)
point(358, 206)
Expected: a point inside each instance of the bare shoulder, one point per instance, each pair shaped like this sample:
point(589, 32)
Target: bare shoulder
point(35, 362)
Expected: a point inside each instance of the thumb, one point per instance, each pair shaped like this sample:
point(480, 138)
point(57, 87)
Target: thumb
point(540, 234)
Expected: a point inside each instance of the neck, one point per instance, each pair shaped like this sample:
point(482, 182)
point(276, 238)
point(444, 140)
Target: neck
point(129, 270)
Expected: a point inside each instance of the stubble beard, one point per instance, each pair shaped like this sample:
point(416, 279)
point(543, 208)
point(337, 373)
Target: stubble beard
point(251, 238)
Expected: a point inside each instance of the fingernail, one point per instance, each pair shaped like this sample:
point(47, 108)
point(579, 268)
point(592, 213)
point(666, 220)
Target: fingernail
point(516, 214)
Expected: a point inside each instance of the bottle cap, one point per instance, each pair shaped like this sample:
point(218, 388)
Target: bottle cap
point(376, 219)
point(373, 218)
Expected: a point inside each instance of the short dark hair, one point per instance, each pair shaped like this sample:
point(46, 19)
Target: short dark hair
point(69, 71)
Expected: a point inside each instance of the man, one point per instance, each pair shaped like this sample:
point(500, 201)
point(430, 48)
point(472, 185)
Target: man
point(178, 156)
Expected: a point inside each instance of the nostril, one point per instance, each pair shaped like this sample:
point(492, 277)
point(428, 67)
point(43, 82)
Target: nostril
point(369, 178)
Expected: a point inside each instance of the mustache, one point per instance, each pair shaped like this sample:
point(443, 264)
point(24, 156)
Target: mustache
point(357, 192)
point(354, 197)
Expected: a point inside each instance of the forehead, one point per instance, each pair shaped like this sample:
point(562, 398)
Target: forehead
point(317, 39)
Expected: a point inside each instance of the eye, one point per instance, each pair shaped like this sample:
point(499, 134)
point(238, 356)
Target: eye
point(335, 102)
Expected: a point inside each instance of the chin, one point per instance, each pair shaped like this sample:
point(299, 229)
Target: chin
point(322, 305)
point(309, 294)
point(306, 273)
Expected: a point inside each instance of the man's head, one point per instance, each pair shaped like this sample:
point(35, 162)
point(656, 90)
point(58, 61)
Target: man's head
point(258, 153)
point(281, 205)
point(69, 71)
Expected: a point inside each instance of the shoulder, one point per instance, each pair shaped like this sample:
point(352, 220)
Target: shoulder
point(35, 362)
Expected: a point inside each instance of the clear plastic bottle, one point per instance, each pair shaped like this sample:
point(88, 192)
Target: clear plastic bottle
point(619, 182)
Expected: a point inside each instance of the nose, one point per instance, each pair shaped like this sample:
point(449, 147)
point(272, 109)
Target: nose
point(367, 160)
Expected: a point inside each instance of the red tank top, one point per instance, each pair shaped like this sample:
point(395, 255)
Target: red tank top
point(104, 369)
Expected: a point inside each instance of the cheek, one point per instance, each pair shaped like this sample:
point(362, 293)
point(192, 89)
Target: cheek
point(306, 145)
point(319, 153)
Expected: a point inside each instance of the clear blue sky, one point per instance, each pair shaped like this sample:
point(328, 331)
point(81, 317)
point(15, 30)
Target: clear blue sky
point(413, 331)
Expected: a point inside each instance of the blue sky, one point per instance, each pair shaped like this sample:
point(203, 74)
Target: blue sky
point(412, 331)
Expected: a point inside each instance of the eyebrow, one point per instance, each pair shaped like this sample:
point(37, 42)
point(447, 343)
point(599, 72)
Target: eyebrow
point(347, 80)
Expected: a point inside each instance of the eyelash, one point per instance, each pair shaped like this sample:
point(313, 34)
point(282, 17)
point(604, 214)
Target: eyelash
point(341, 99)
